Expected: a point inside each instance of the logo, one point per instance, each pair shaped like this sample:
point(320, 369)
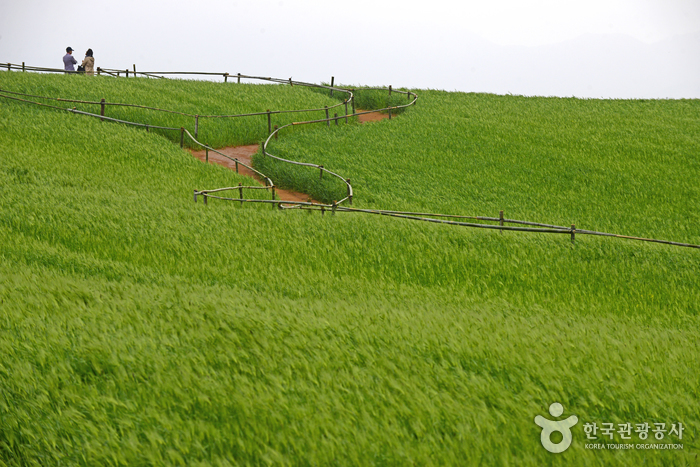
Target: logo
point(550, 426)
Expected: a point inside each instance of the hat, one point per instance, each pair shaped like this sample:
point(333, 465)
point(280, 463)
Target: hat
point(68, 49)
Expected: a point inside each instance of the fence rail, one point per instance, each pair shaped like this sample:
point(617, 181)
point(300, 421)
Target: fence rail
point(336, 206)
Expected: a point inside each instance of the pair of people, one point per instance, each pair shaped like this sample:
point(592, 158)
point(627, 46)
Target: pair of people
point(88, 62)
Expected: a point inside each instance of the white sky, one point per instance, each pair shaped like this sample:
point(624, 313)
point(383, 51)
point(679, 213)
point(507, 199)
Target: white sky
point(586, 48)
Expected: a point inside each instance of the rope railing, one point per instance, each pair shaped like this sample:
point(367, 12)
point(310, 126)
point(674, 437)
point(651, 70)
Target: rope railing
point(157, 109)
point(336, 206)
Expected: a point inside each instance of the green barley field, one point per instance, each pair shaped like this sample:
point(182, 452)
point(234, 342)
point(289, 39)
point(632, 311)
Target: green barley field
point(140, 328)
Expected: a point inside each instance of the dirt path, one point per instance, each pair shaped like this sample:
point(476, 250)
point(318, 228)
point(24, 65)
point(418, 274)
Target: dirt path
point(245, 153)
point(371, 117)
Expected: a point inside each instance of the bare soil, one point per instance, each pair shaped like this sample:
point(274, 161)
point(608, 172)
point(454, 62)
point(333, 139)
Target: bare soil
point(245, 153)
point(371, 117)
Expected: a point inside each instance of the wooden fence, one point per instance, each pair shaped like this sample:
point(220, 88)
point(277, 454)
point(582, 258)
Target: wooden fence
point(499, 222)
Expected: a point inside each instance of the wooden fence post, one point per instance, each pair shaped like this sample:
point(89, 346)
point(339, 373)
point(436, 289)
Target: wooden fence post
point(269, 122)
point(207, 149)
point(335, 117)
point(332, 81)
point(225, 77)
point(346, 111)
point(328, 122)
point(240, 192)
point(320, 177)
point(23, 67)
point(196, 126)
point(195, 196)
point(236, 159)
point(500, 220)
point(239, 78)
point(182, 141)
point(573, 233)
point(134, 70)
point(353, 102)
point(102, 109)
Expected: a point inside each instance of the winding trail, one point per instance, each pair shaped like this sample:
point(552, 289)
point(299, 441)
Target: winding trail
point(245, 154)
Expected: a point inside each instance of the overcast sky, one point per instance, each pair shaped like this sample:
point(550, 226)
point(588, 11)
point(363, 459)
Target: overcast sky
point(583, 48)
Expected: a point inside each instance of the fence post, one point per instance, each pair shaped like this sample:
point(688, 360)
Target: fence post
point(102, 109)
point(207, 149)
point(239, 78)
point(236, 159)
point(9, 67)
point(353, 102)
point(328, 122)
point(196, 126)
point(225, 77)
point(320, 177)
point(346, 111)
point(500, 220)
point(240, 189)
point(269, 122)
point(290, 82)
point(127, 75)
point(205, 198)
point(99, 71)
point(134, 70)
point(335, 117)
point(389, 113)
point(195, 196)
point(332, 81)
point(573, 233)
point(23, 67)
point(182, 139)
point(335, 205)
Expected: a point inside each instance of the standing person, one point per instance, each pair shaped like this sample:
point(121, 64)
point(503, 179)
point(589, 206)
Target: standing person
point(89, 63)
point(69, 60)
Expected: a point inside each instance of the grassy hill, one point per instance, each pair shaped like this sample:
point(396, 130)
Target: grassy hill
point(139, 328)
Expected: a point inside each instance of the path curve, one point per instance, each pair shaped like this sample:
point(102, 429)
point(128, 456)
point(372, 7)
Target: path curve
point(245, 154)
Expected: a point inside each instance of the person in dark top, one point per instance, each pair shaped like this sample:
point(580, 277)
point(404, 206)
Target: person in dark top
point(69, 60)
